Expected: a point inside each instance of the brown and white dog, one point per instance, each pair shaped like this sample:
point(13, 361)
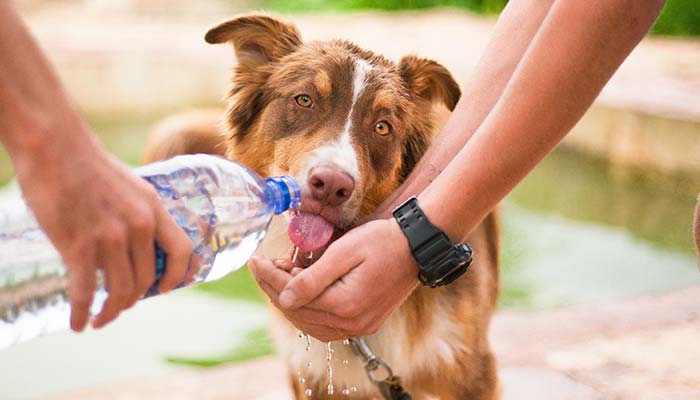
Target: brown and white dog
point(350, 125)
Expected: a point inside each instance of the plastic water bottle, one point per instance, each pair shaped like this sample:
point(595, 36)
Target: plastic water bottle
point(224, 207)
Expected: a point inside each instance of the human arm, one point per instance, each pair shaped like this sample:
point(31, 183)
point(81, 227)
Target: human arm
point(93, 209)
point(575, 51)
point(513, 32)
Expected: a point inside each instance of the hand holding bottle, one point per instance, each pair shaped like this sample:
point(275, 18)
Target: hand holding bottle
point(99, 215)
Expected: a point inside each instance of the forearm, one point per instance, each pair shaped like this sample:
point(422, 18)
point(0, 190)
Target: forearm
point(511, 36)
point(33, 104)
point(573, 55)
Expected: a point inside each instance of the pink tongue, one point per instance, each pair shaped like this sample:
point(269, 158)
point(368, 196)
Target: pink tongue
point(309, 232)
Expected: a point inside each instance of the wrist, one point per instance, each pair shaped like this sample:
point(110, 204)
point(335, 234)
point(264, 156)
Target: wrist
point(440, 260)
point(48, 145)
point(441, 217)
point(403, 249)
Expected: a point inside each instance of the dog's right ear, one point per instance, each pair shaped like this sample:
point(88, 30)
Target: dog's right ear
point(429, 80)
point(257, 39)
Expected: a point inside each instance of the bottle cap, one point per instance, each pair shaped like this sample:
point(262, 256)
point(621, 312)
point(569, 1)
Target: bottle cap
point(283, 192)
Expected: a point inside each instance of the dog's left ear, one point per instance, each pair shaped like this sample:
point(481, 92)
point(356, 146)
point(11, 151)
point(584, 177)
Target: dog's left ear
point(429, 80)
point(257, 39)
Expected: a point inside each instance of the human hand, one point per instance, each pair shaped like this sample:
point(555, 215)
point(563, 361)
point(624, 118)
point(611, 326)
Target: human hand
point(99, 215)
point(351, 290)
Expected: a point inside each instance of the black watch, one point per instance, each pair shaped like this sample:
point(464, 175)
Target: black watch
point(440, 261)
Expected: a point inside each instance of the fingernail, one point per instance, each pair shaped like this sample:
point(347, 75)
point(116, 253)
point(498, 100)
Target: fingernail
point(287, 298)
point(279, 262)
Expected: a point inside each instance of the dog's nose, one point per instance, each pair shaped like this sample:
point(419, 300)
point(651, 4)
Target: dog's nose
point(331, 185)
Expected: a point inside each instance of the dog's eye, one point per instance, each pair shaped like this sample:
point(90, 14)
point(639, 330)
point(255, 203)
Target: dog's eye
point(304, 100)
point(382, 128)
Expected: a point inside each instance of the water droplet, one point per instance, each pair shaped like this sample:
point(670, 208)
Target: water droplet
point(309, 255)
point(295, 253)
point(346, 362)
point(308, 392)
point(308, 342)
point(353, 389)
point(346, 392)
point(300, 334)
point(308, 364)
point(302, 379)
point(329, 359)
point(346, 342)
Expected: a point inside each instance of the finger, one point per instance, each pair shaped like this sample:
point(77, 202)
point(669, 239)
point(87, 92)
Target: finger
point(143, 257)
point(306, 315)
point(339, 258)
point(119, 278)
point(265, 271)
point(321, 331)
point(283, 264)
point(193, 268)
point(177, 247)
point(81, 287)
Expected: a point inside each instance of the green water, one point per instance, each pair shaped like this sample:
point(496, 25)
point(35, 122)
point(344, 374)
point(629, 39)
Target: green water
point(648, 206)
point(578, 230)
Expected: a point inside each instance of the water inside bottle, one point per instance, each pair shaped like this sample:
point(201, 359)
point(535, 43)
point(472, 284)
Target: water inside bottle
point(225, 230)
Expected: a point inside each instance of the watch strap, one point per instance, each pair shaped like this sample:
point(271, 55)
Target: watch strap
point(440, 261)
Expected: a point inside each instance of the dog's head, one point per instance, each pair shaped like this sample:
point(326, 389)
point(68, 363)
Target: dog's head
point(349, 124)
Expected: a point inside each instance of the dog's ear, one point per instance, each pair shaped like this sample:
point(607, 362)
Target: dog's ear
point(256, 39)
point(429, 80)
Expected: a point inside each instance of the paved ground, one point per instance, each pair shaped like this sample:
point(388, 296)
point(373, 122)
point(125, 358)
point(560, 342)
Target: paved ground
point(639, 349)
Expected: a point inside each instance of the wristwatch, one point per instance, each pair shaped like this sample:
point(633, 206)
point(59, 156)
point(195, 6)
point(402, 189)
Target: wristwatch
point(440, 261)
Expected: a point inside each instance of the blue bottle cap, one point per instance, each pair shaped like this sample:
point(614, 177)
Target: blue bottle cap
point(283, 193)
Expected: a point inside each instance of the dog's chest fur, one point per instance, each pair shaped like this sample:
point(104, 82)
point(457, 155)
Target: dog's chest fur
point(409, 354)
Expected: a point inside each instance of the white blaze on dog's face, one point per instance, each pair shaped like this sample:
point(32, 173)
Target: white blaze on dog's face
point(347, 123)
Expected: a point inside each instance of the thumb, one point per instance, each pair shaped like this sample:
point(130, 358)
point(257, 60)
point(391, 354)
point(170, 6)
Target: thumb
point(310, 283)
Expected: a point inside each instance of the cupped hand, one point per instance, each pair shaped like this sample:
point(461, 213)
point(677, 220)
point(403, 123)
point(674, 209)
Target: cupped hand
point(351, 290)
point(99, 215)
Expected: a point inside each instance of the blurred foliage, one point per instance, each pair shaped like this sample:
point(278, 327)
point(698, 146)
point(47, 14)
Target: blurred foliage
point(679, 17)
point(481, 6)
point(6, 170)
point(255, 344)
point(239, 285)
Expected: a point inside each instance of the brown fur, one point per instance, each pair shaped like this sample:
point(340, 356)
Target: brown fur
point(192, 132)
point(271, 134)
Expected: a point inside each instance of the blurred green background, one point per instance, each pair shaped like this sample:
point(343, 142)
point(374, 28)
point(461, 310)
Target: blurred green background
point(679, 17)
